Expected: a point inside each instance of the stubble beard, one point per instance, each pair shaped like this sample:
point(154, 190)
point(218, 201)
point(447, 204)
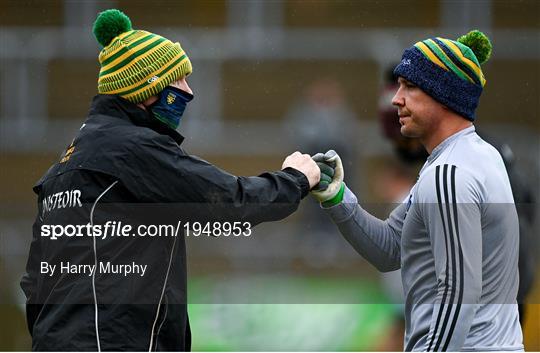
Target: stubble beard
point(408, 131)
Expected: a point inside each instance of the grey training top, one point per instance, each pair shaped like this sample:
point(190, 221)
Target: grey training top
point(455, 239)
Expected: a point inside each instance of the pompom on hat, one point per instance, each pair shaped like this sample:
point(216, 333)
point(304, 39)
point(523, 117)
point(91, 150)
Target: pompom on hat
point(135, 64)
point(449, 71)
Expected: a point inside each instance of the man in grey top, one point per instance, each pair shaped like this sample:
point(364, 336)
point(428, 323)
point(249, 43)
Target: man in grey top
point(455, 237)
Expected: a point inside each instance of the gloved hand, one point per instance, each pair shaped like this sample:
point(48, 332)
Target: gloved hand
point(330, 189)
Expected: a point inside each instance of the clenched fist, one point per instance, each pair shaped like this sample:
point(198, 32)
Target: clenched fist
point(331, 187)
point(304, 164)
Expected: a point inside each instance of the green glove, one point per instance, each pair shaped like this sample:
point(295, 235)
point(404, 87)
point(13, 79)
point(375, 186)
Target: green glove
point(329, 191)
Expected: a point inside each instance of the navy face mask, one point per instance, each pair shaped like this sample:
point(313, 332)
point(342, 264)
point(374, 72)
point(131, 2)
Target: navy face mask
point(170, 106)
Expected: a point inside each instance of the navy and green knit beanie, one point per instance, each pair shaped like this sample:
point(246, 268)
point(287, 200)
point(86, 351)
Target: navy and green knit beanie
point(449, 71)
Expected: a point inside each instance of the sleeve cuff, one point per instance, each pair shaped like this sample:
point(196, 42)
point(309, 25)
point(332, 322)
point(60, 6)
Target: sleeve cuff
point(301, 178)
point(345, 209)
point(336, 199)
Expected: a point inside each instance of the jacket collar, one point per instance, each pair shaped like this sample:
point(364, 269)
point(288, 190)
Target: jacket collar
point(118, 107)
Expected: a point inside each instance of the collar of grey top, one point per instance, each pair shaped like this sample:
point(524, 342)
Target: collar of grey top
point(442, 146)
point(118, 107)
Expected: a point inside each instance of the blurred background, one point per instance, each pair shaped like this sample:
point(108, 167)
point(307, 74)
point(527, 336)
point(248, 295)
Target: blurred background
point(269, 78)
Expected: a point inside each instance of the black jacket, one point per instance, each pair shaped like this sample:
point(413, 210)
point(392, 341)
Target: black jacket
point(125, 166)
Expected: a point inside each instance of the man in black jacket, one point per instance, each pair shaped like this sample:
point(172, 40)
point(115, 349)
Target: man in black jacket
point(90, 283)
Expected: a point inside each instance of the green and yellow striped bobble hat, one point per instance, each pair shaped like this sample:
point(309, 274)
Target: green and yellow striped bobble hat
point(449, 70)
point(135, 64)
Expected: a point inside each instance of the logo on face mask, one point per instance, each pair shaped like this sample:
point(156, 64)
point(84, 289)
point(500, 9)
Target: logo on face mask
point(170, 106)
point(170, 98)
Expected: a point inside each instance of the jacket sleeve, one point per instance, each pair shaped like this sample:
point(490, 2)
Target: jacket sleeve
point(159, 171)
point(378, 241)
point(451, 208)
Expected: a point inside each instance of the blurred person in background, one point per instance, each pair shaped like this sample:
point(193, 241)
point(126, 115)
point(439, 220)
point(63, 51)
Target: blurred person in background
point(456, 238)
point(128, 152)
point(319, 120)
